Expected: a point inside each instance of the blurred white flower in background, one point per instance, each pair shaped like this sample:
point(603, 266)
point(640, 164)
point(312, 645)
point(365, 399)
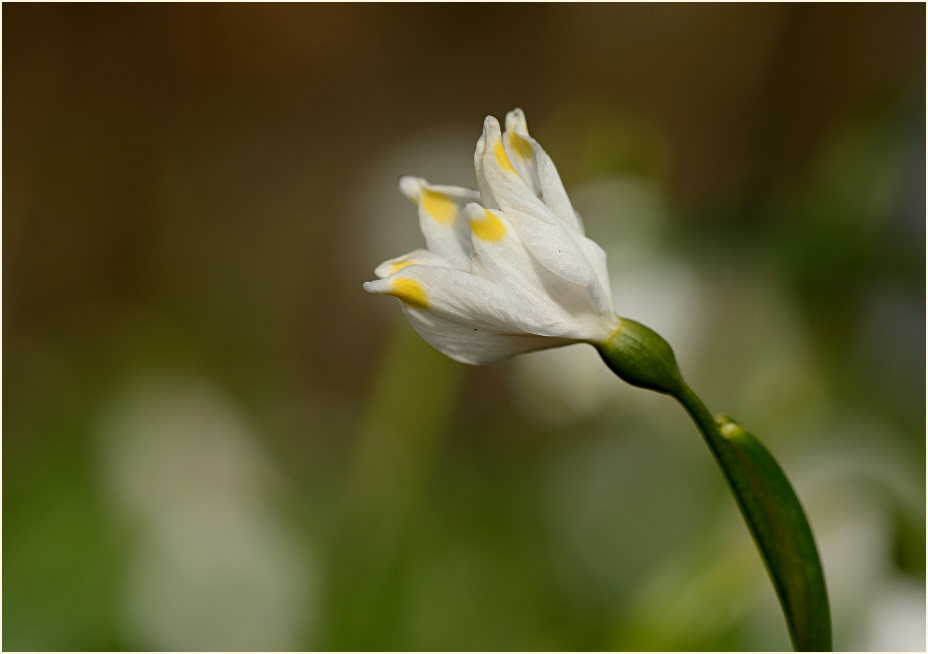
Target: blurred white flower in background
point(212, 565)
point(897, 619)
point(853, 495)
point(508, 268)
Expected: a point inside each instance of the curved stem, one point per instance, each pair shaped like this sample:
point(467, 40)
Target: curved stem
point(709, 428)
point(705, 421)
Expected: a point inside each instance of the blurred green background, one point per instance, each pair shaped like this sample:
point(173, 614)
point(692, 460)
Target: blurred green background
point(214, 439)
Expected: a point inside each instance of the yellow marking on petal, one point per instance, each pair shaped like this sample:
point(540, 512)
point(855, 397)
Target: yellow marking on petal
point(439, 206)
point(491, 228)
point(520, 146)
point(409, 291)
point(502, 157)
point(397, 266)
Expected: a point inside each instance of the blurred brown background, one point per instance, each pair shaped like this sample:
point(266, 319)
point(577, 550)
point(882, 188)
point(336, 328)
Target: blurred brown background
point(213, 439)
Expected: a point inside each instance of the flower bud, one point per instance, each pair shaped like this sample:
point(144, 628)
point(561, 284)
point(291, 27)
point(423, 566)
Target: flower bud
point(640, 356)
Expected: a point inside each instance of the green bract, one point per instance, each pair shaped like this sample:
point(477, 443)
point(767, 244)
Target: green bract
point(640, 356)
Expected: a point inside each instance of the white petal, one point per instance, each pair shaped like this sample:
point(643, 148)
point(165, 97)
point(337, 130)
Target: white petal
point(554, 245)
point(501, 256)
point(486, 197)
point(416, 257)
point(537, 170)
point(597, 258)
point(474, 320)
point(528, 155)
point(446, 232)
point(472, 345)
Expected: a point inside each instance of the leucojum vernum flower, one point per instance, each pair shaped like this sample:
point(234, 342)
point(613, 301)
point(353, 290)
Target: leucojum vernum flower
point(508, 269)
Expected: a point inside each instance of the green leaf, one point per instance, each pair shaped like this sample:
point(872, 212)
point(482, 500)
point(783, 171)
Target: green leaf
point(782, 533)
point(776, 521)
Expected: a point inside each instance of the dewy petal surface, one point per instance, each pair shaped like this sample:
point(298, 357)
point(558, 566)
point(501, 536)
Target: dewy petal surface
point(506, 269)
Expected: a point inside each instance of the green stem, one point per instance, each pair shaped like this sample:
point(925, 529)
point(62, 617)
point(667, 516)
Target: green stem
point(705, 421)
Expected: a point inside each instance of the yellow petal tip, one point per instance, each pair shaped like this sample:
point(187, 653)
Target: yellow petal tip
point(502, 158)
point(489, 228)
point(397, 266)
point(438, 206)
point(519, 145)
point(410, 292)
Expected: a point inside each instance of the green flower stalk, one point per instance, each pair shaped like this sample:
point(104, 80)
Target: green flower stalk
point(508, 269)
point(767, 501)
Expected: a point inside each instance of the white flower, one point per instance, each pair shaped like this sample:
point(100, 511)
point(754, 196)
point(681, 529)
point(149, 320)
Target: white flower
point(507, 268)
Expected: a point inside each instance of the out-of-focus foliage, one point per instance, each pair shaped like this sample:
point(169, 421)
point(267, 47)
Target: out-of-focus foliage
point(213, 439)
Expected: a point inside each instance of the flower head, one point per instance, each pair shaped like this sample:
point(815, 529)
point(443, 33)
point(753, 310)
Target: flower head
point(506, 269)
